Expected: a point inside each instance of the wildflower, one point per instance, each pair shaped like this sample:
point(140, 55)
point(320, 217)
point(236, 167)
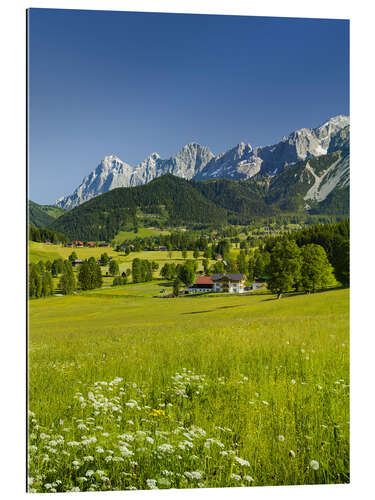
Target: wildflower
point(149, 440)
point(89, 473)
point(265, 403)
point(164, 482)
point(99, 449)
point(165, 448)
point(241, 461)
point(314, 465)
point(293, 381)
point(193, 475)
point(236, 477)
point(81, 427)
point(281, 438)
point(292, 454)
point(249, 479)
point(89, 458)
point(151, 483)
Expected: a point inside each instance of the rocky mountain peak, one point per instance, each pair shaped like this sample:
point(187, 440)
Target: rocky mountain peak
point(195, 161)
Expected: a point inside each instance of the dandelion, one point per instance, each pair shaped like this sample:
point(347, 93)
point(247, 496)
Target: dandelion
point(314, 465)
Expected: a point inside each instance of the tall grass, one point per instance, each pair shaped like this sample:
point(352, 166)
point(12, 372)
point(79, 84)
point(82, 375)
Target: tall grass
point(192, 392)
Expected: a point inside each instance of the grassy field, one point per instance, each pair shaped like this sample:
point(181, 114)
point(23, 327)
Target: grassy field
point(44, 252)
point(128, 391)
point(143, 232)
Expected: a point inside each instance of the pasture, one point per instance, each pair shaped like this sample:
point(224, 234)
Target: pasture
point(45, 251)
point(128, 391)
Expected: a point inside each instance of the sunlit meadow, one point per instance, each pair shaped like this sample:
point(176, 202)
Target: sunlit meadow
point(128, 391)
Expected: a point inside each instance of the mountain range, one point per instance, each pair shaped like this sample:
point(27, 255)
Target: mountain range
point(243, 162)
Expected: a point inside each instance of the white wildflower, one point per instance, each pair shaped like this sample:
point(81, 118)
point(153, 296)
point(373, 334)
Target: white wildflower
point(314, 465)
point(193, 474)
point(241, 461)
point(249, 479)
point(151, 483)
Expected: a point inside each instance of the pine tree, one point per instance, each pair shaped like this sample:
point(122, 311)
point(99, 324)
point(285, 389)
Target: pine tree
point(176, 287)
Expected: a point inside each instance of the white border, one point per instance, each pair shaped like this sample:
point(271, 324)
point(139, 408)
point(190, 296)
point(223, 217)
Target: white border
point(12, 134)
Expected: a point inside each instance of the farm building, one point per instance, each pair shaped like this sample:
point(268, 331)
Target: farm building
point(76, 262)
point(224, 283)
point(202, 284)
point(77, 243)
point(228, 283)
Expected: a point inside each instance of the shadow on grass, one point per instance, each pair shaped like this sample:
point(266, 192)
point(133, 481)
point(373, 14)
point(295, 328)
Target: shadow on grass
point(295, 294)
point(213, 310)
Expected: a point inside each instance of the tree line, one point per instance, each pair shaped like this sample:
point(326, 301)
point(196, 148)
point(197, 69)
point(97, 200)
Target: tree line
point(41, 235)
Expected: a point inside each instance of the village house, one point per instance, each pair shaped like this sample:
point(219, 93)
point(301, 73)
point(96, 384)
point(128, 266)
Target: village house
point(77, 243)
point(228, 283)
point(77, 262)
point(220, 283)
point(201, 285)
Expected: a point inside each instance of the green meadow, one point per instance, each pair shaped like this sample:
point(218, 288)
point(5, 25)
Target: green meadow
point(43, 252)
point(129, 391)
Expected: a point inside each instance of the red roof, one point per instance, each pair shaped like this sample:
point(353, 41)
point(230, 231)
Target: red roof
point(204, 280)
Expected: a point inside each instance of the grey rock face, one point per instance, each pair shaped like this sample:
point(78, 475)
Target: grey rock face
point(244, 162)
point(113, 173)
point(198, 162)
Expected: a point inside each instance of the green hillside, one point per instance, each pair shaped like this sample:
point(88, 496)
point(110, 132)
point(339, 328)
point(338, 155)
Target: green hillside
point(168, 199)
point(43, 215)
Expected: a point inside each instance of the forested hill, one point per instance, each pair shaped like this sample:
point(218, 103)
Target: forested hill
point(43, 215)
point(168, 198)
point(171, 201)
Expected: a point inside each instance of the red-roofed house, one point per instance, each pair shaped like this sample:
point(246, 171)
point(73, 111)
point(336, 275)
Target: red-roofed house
point(202, 284)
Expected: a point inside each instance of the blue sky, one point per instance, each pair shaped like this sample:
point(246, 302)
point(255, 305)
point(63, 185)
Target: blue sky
point(133, 83)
